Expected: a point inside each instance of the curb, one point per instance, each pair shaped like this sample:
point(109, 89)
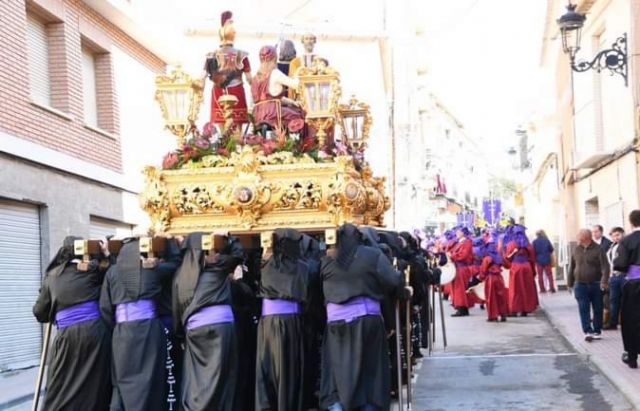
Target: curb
point(629, 392)
point(17, 401)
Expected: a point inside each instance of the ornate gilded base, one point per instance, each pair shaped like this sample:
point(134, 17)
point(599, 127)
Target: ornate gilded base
point(248, 194)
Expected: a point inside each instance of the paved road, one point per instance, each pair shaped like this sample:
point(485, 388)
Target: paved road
point(520, 365)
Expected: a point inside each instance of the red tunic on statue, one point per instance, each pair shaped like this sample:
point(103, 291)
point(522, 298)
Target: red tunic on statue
point(462, 257)
point(225, 68)
point(270, 109)
point(523, 297)
point(494, 290)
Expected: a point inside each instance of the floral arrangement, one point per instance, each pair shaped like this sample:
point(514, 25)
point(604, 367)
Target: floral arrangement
point(211, 149)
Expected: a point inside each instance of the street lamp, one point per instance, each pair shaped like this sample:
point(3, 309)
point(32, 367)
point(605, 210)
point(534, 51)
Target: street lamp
point(613, 59)
point(179, 97)
point(355, 121)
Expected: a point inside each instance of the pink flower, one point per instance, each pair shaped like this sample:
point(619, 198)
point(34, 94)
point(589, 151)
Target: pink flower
point(169, 160)
point(207, 130)
point(322, 154)
point(341, 149)
point(296, 125)
point(254, 140)
point(201, 143)
point(268, 146)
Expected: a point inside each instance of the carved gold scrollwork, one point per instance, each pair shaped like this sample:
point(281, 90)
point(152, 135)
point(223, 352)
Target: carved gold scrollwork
point(194, 199)
point(154, 199)
point(307, 195)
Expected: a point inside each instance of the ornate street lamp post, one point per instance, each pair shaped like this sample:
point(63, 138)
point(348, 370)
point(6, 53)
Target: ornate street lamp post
point(613, 59)
point(179, 97)
point(355, 122)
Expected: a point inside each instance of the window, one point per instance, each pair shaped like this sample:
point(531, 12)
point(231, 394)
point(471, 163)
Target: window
point(89, 94)
point(100, 227)
point(38, 55)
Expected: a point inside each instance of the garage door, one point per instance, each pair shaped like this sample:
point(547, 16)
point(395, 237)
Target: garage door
point(20, 275)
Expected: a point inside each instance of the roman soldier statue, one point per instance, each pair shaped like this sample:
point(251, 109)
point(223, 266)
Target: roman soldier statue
point(225, 68)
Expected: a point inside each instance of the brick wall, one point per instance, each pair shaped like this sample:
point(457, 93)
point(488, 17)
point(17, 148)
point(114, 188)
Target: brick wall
point(69, 23)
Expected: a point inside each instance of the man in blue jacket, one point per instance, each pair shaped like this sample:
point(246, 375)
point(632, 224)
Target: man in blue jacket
point(543, 250)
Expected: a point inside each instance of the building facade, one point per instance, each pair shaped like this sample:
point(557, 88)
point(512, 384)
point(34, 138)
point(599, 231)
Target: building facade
point(76, 107)
point(585, 161)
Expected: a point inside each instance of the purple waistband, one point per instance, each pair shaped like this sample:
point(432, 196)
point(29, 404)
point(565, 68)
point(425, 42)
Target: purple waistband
point(520, 259)
point(135, 311)
point(78, 313)
point(633, 273)
point(213, 314)
point(354, 308)
point(279, 307)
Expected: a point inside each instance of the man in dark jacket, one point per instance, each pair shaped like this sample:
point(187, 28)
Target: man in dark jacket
point(597, 231)
point(588, 277)
point(543, 250)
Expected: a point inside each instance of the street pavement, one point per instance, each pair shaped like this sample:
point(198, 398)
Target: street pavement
point(521, 365)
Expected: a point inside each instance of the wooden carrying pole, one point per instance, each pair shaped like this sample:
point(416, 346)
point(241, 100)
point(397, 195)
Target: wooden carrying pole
point(43, 363)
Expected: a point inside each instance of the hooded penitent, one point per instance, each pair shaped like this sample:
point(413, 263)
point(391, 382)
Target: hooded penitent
point(62, 257)
point(349, 239)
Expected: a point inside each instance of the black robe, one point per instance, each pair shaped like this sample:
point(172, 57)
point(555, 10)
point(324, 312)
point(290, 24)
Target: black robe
point(210, 368)
point(280, 354)
point(139, 347)
point(79, 372)
point(355, 361)
point(629, 254)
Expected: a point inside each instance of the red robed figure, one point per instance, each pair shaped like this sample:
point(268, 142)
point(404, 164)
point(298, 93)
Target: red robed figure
point(520, 261)
point(494, 290)
point(462, 257)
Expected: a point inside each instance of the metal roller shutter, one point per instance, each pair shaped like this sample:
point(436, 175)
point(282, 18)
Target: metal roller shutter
point(20, 276)
point(38, 53)
point(104, 228)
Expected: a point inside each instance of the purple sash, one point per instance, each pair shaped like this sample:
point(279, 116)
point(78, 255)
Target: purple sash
point(279, 307)
point(633, 273)
point(213, 314)
point(78, 313)
point(135, 311)
point(521, 259)
point(354, 308)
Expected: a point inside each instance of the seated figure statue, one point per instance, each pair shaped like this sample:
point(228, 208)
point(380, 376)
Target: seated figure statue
point(272, 108)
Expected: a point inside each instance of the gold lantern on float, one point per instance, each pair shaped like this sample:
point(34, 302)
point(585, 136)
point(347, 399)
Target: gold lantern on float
point(355, 122)
point(179, 97)
point(319, 91)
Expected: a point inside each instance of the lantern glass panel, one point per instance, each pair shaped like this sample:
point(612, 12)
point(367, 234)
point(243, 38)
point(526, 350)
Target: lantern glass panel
point(311, 96)
point(325, 94)
point(178, 103)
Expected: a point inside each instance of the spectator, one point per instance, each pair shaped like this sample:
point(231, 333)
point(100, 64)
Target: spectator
point(616, 280)
point(544, 252)
point(598, 237)
point(628, 261)
point(588, 277)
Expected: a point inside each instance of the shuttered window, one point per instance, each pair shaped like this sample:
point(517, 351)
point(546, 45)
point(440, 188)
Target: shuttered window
point(20, 276)
point(38, 55)
point(89, 87)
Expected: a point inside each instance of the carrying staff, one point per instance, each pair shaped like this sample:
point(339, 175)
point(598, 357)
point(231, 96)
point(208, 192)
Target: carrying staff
point(79, 372)
point(284, 287)
point(355, 361)
point(129, 299)
point(203, 314)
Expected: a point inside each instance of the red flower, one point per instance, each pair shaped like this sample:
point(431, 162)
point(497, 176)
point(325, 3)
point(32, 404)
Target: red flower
point(307, 144)
point(296, 125)
point(254, 140)
point(169, 160)
point(223, 151)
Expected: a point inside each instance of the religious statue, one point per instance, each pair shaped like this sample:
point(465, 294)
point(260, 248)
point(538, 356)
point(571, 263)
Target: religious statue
point(286, 55)
point(306, 60)
point(225, 68)
point(271, 107)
